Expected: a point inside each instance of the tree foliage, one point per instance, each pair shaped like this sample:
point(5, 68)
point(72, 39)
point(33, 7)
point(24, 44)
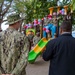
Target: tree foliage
point(73, 3)
point(33, 9)
point(4, 7)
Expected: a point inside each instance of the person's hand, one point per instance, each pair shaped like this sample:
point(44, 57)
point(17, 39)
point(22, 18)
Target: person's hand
point(6, 74)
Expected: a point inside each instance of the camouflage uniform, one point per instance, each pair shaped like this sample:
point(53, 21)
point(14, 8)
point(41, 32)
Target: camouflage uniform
point(14, 48)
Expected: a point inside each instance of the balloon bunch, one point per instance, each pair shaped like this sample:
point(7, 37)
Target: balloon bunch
point(62, 12)
point(35, 22)
point(28, 26)
point(39, 21)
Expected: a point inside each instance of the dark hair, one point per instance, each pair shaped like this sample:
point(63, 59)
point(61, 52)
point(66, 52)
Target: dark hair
point(66, 25)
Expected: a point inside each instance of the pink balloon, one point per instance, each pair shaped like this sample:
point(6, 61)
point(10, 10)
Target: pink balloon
point(35, 21)
point(54, 13)
point(39, 23)
point(34, 24)
point(47, 31)
point(60, 11)
point(27, 26)
point(50, 18)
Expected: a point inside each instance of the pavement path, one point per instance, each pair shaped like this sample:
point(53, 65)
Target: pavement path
point(39, 67)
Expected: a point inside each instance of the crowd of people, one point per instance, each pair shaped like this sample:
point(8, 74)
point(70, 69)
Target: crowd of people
point(15, 46)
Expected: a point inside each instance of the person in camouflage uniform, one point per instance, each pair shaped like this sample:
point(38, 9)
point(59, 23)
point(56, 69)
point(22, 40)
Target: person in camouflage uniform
point(14, 48)
point(30, 38)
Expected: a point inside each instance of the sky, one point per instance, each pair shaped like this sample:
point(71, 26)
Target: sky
point(4, 27)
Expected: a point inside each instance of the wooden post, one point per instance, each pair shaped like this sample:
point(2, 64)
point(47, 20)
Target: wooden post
point(51, 10)
point(58, 9)
point(41, 29)
point(66, 8)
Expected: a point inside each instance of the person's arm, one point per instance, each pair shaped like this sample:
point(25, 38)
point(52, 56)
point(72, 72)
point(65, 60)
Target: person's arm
point(22, 62)
point(48, 53)
point(1, 68)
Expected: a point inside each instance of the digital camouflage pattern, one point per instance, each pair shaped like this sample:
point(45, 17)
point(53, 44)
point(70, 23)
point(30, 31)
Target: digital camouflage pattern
point(14, 48)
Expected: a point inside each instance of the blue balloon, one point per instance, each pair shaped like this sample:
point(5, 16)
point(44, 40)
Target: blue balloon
point(63, 10)
point(39, 20)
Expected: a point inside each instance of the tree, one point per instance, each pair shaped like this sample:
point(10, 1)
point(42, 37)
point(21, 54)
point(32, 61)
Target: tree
point(33, 9)
point(73, 3)
point(4, 7)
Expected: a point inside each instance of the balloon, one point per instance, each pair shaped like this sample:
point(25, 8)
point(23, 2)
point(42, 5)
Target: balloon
point(60, 11)
point(63, 10)
point(26, 24)
point(34, 24)
point(47, 27)
point(30, 24)
point(54, 13)
point(42, 18)
point(44, 29)
point(47, 31)
point(50, 18)
point(39, 20)
point(39, 23)
point(25, 27)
